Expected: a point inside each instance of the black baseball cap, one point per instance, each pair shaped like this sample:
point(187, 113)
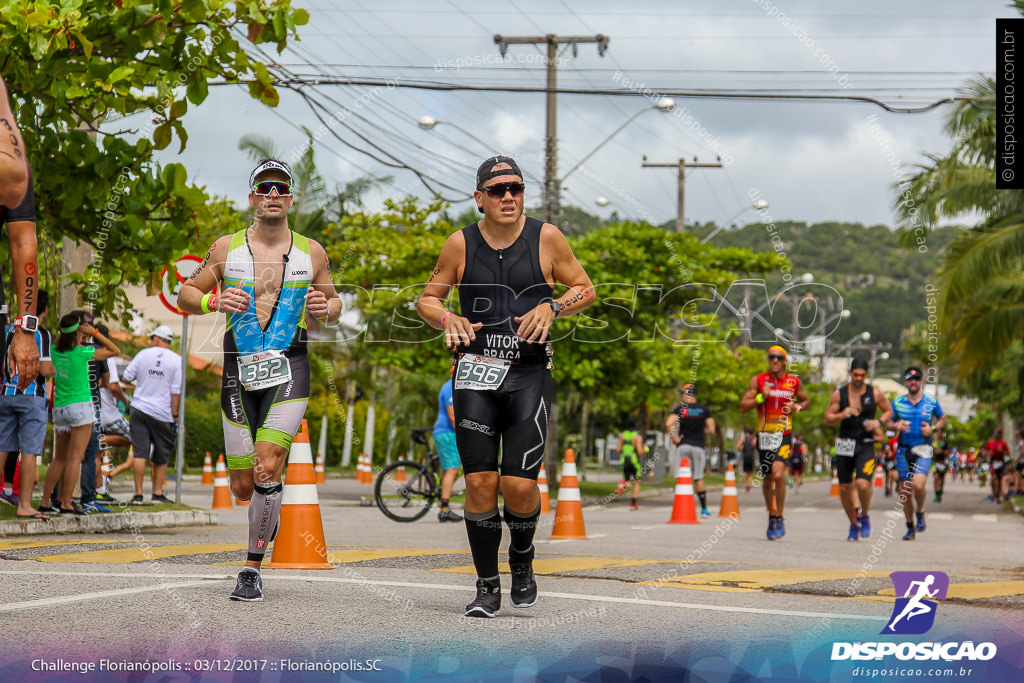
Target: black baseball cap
point(486, 170)
point(913, 373)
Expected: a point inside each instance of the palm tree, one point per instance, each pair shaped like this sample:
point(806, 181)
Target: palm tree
point(980, 292)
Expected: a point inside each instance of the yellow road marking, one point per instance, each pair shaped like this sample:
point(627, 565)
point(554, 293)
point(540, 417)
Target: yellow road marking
point(759, 579)
point(16, 545)
point(124, 555)
point(976, 591)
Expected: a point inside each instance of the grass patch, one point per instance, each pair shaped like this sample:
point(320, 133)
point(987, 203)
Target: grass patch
point(9, 511)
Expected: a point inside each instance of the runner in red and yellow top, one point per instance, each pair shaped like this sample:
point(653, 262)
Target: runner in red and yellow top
point(777, 395)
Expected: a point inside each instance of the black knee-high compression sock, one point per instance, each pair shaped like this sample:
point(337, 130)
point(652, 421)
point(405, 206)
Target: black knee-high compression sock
point(521, 527)
point(484, 531)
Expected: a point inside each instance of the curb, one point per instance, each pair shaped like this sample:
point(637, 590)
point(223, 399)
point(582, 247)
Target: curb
point(113, 521)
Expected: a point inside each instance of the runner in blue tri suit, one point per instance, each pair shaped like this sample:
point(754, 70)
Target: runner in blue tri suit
point(916, 418)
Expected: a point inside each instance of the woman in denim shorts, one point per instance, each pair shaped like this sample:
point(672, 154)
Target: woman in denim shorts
point(73, 412)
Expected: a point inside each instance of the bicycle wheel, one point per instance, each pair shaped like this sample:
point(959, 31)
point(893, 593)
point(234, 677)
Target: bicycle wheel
point(404, 491)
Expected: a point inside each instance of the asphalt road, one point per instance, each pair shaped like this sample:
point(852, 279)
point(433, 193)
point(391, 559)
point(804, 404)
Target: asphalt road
point(638, 598)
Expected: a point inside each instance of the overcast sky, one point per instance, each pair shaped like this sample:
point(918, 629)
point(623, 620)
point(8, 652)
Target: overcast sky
point(811, 161)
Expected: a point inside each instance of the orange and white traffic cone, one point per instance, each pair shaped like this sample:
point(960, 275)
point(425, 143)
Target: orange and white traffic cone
point(300, 540)
point(106, 468)
point(834, 491)
point(399, 473)
point(730, 499)
point(879, 475)
point(542, 484)
point(367, 469)
point(221, 487)
point(207, 471)
point(569, 510)
point(321, 476)
point(684, 507)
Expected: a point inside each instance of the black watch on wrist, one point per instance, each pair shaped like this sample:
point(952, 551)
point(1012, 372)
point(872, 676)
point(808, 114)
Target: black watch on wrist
point(555, 306)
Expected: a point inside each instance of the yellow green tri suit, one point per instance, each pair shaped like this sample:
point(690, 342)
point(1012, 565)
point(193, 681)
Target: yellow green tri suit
point(266, 371)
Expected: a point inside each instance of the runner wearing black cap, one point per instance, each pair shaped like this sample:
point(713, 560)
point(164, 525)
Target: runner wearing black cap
point(505, 267)
point(688, 424)
point(859, 409)
point(916, 418)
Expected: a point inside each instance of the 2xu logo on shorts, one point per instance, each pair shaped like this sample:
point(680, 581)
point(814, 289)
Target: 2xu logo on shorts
point(469, 424)
point(914, 614)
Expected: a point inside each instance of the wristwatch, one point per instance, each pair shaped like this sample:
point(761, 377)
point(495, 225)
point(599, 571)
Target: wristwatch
point(29, 323)
point(556, 307)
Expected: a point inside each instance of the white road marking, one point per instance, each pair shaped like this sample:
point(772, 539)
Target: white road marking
point(81, 597)
point(645, 528)
point(803, 510)
point(199, 580)
point(944, 516)
point(985, 518)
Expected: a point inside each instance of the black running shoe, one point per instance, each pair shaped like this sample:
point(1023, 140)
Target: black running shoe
point(447, 515)
point(488, 599)
point(138, 500)
point(249, 587)
point(524, 587)
point(105, 498)
point(160, 498)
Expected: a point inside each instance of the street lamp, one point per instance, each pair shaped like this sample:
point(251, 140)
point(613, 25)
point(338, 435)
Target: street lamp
point(759, 205)
point(429, 123)
point(665, 104)
point(602, 201)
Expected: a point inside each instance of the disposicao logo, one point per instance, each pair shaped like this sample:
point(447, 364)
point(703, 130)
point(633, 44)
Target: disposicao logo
point(914, 613)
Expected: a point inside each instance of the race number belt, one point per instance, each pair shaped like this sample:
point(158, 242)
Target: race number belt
point(922, 451)
point(845, 446)
point(480, 373)
point(997, 464)
point(264, 369)
point(769, 441)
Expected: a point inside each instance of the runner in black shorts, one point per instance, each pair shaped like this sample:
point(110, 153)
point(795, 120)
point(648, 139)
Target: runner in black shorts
point(859, 409)
point(940, 459)
point(20, 220)
point(505, 267)
point(747, 448)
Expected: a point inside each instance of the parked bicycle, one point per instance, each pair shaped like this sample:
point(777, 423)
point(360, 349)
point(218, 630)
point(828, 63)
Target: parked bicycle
point(405, 490)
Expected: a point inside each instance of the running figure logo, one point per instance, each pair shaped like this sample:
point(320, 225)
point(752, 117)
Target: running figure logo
point(914, 613)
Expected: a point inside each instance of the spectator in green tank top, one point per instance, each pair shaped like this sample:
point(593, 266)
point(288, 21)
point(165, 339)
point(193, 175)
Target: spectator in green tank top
point(73, 411)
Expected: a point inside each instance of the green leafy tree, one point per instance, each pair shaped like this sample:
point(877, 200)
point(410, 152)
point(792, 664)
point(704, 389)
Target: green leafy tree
point(98, 86)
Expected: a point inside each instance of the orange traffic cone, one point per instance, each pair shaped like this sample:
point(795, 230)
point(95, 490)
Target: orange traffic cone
point(105, 468)
point(879, 475)
point(221, 488)
point(730, 500)
point(367, 469)
point(684, 508)
point(300, 538)
point(542, 484)
point(362, 470)
point(207, 471)
point(569, 510)
point(834, 491)
point(321, 476)
point(399, 474)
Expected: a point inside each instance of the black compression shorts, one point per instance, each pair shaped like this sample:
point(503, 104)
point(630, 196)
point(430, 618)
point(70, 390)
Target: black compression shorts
point(861, 464)
point(781, 455)
point(514, 416)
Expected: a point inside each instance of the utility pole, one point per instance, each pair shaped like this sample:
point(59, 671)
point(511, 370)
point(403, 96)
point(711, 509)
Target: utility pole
point(681, 194)
point(551, 199)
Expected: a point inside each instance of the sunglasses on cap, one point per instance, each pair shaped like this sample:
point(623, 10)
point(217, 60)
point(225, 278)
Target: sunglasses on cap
point(775, 356)
point(498, 190)
point(265, 187)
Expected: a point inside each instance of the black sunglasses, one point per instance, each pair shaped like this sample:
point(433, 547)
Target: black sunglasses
point(264, 188)
point(498, 190)
point(773, 356)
